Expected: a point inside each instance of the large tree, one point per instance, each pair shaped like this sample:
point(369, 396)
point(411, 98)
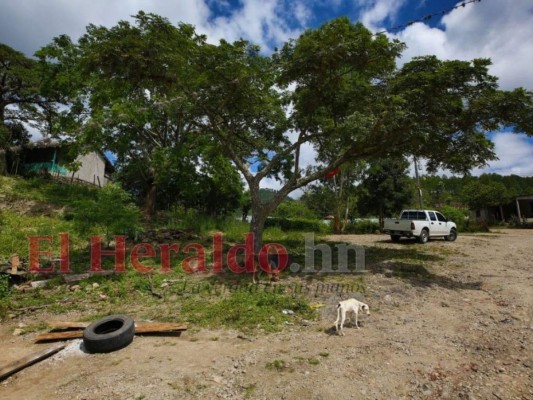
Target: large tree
point(129, 82)
point(348, 98)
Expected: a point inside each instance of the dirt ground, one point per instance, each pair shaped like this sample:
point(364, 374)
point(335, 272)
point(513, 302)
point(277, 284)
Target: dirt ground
point(457, 324)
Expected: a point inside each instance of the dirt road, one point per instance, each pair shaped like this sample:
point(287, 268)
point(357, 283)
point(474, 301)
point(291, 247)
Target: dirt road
point(449, 320)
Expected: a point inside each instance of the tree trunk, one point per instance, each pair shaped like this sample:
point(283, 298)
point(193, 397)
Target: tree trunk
point(149, 200)
point(3, 146)
point(257, 226)
point(260, 213)
point(346, 214)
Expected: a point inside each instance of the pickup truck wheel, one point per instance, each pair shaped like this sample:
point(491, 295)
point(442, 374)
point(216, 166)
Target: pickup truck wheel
point(395, 238)
point(452, 236)
point(424, 236)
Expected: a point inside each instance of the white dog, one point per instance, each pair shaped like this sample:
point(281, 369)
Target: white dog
point(350, 305)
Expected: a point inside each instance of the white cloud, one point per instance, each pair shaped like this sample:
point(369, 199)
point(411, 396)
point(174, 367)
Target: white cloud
point(263, 22)
point(28, 25)
point(497, 29)
point(515, 155)
point(378, 11)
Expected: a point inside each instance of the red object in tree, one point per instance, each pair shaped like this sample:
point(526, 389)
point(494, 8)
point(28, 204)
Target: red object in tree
point(332, 173)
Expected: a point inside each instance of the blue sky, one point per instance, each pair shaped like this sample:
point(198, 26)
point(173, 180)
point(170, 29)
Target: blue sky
point(498, 29)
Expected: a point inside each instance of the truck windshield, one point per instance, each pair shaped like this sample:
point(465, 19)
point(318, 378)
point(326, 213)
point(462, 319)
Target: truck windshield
point(414, 215)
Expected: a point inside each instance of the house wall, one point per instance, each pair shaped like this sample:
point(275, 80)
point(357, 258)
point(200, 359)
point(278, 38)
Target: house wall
point(92, 169)
point(526, 208)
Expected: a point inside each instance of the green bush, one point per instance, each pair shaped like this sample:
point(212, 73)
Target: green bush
point(362, 227)
point(294, 209)
point(296, 224)
point(113, 212)
point(459, 216)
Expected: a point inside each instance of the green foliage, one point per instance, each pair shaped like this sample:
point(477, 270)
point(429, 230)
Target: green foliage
point(112, 212)
point(20, 89)
point(440, 191)
point(266, 195)
point(457, 215)
point(319, 198)
point(294, 209)
point(17, 228)
point(362, 227)
point(385, 189)
point(478, 195)
point(247, 308)
point(47, 191)
point(130, 83)
point(4, 286)
point(38, 208)
point(296, 224)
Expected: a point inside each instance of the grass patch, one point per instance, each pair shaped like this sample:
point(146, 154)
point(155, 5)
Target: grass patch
point(245, 310)
point(249, 390)
point(278, 365)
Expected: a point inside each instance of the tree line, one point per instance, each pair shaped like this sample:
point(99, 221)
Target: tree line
point(384, 188)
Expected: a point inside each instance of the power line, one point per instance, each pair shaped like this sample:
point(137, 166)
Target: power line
point(428, 17)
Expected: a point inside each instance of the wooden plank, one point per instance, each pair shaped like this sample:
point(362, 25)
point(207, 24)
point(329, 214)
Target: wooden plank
point(159, 327)
point(31, 359)
point(140, 328)
point(56, 336)
point(57, 325)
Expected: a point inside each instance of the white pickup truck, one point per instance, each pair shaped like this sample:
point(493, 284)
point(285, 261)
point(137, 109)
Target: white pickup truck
point(422, 224)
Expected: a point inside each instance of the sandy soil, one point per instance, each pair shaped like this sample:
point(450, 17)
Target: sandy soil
point(456, 324)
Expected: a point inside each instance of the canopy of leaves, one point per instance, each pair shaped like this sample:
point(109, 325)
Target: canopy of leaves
point(478, 195)
point(19, 90)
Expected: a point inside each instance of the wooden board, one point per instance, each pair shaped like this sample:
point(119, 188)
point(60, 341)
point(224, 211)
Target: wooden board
point(56, 336)
point(57, 325)
point(31, 359)
point(159, 327)
point(140, 328)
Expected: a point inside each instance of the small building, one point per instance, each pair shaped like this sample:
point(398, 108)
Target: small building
point(519, 209)
point(52, 158)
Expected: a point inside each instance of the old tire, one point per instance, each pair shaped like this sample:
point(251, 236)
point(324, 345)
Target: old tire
point(395, 238)
point(424, 236)
point(452, 236)
point(109, 334)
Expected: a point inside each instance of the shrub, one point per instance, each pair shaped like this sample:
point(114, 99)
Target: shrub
point(296, 224)
point(459, 216)
point(362, 227)
point(294, 209)
point(113, 212)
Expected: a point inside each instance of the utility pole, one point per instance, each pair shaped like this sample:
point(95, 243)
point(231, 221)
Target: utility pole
point(419, 189)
